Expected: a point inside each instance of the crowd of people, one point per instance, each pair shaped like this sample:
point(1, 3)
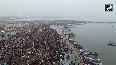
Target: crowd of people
point(40, 45)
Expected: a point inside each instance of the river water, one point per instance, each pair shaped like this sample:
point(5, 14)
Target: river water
point(95, 36)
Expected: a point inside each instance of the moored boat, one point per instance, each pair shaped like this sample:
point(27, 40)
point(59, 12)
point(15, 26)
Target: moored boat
point(71, 35)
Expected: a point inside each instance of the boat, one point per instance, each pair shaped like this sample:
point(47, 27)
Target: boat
point(111, 44)
point(69, 24)
point(93, 53)
point(71, 35)
point(71, 41)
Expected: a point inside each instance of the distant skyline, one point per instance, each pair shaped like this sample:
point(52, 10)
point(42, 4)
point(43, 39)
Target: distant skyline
point(92, 10)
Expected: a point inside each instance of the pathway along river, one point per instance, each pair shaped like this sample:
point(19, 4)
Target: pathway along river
point(95, 36)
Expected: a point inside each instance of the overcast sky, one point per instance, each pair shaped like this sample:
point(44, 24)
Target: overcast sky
point(84, 8)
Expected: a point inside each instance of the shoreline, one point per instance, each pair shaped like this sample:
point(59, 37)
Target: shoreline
point(80, 57)
point(74, 56)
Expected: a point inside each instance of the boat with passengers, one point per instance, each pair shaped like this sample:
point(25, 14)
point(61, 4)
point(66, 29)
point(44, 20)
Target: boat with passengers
point(111, 43)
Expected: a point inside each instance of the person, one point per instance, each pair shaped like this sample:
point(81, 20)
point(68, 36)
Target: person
point(73, 63)
point(44, 52)
point(110, 43)
point(76, 59)
point(96, 52)
point(0, 56)
point(71, 50)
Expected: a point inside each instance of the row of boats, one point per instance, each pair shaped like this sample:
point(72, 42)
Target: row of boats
point(76, 45)
point(87, 57)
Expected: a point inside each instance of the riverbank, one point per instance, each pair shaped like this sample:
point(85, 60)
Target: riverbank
point(82, 60)
point(74, 56)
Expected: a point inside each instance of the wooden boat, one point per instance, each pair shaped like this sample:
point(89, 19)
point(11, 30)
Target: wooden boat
point(93, 53)
point(111, 44)
point(72, 41)
point(71, 35)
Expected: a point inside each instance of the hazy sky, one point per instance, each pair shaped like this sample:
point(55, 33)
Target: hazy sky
point(87, 8)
